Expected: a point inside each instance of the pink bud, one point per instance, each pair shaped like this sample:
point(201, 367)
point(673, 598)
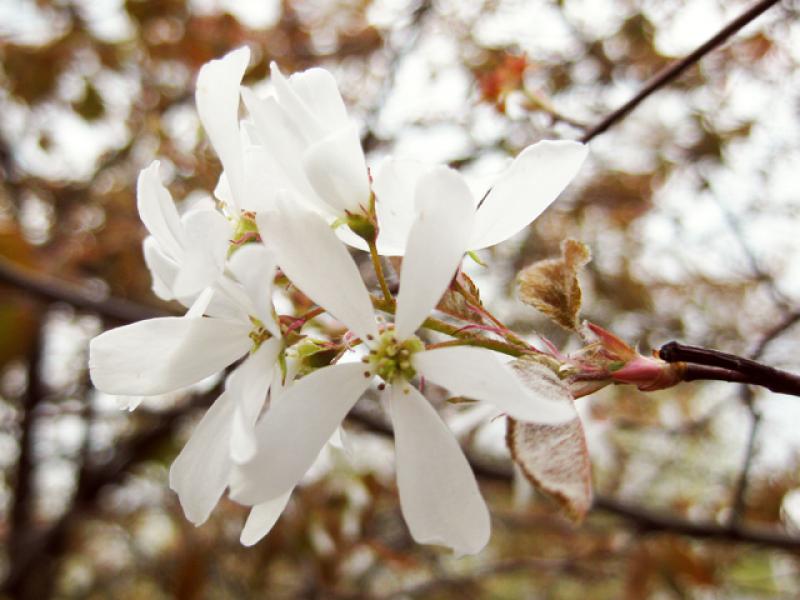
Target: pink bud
point(649, 374)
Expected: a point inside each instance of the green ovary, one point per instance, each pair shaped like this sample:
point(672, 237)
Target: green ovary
point(391, 360)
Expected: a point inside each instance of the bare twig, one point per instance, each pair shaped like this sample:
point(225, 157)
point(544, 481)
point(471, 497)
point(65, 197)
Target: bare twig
point(584, 565)
point(115, 310)
point(672, 71)
point(21, 507)
point(644, 520)
point(704, 363)
point(739, 503)
point(36, 555)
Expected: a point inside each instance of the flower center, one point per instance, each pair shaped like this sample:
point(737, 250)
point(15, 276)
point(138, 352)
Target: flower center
point(391, 360)
point(258, 334)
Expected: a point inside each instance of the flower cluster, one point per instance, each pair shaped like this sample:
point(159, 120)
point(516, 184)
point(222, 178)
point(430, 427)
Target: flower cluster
point(295, 192)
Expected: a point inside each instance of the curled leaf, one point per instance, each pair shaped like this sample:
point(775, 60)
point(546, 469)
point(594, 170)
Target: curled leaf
point(551, 286)
point(554, 458)
point(462, 300)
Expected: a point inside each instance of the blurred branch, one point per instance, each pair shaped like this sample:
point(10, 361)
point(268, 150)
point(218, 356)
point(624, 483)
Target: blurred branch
point(671, 72)
point(48, 288)
point(642, 519)
point(704, 363)
point(138, 448)
point(713, 364)
point(474, 577)
point(22, 505)
point(739, 502)
point(38, 554)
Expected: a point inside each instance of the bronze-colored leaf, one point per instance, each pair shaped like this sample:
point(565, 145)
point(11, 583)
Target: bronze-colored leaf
point(462, 299)
point(554, 458)
point(551, 286)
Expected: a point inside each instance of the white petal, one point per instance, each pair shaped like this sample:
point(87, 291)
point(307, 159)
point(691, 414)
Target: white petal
point(200, 304)
point(158, 212)
point(248, 386)
point(162, 355)
point(264, 177)
point(479, 374)
point(294, 430)
point(284, 144)
point(297, 111)
point(436, 245)
point(163, 270)
point(535, 178)
point(262, 518)
point(314, 259)
point(319, 92)
point(336, 168)
point(217, 97)
point(394, 185)
point(439, 496)
point(223, 191)
point(200, 473)
point(129, 403)
point(254, 267)
point(208, 236)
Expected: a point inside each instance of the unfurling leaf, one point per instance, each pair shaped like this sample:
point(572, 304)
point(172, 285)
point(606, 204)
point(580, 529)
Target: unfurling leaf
point(551, 286)
point(554, 458)
point(463, 300)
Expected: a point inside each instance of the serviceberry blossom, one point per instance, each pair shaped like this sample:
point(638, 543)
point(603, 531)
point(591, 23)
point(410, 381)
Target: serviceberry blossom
point(517, 196)
point(162, 355)
point(300, 138)
point(439, 496)
point(294, 187)
point(185, 254)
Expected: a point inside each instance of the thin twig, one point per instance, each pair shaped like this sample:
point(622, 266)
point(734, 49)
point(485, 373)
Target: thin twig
point(739, 503)
point(113, 309)
point(704, 363)
point(644, 520)
point(36, 555)
point(22, 504)
point(677, 68)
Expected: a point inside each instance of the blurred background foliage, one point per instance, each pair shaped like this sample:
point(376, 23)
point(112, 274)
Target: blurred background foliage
point(690, 207)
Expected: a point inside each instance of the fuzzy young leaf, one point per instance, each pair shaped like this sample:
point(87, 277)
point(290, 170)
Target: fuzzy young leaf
point(554, 458)
point(551, 286)
point(462, 302)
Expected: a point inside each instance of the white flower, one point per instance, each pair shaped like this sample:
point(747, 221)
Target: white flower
point(305, 142)
point(165, 354)
point(439, 496)
point(217, 97)
point(184, 254)
point(518, 196)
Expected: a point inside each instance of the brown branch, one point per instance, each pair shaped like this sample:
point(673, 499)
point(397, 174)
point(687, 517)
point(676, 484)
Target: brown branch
point(648, 521)
point(22, 504)
point(473, 578)
point(704, 363)
point(92, 480)
point(674, 70)
point(642, 519)
point(115, 310)
point(37, 554)
point(739, 502)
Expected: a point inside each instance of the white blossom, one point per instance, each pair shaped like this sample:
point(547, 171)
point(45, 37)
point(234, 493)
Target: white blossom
point(439, 496)
point(184, 254)
point(165, 354)
point(517, 196)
